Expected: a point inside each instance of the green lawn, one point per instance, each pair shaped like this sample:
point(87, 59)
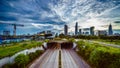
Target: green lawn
point(117, 42)
point(14, 48)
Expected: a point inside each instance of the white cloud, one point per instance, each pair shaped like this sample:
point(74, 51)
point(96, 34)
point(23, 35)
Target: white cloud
point(87, 13)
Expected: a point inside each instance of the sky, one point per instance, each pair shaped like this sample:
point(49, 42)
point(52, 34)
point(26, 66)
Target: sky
point(40, 15)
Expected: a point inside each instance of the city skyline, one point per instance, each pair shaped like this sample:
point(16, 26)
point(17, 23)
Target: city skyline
point(40, 15)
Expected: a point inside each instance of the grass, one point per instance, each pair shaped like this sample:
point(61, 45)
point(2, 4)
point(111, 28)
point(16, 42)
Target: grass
point(116, 42)
point(14, 48)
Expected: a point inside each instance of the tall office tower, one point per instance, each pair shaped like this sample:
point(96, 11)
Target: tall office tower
point(76, 28)
point(65, 29)
point(92, 30)
point(80, 31)
point(110, 31)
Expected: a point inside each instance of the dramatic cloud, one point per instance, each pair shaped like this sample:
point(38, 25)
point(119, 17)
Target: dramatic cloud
point(39, 15)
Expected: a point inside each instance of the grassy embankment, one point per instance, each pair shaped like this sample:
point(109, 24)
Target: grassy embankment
point(99, 56)
point(23, 61)
point(116, 42)
point(12, 49)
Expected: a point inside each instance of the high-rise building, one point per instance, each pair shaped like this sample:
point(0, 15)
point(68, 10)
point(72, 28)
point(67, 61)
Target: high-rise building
point(110, 31)
point(65, 29)
point(76, 28)
point(86, 31)
point(100, 32)
point(92, 30)
point(80, 31)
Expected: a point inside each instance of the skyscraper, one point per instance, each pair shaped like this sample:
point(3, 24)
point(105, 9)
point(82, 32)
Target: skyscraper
point(65, 29)
point(110, 31)
point(76, 28)
point(92, 30)
point(80, 31)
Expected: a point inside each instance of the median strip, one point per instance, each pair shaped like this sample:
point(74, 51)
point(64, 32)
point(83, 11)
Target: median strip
point(60, 59)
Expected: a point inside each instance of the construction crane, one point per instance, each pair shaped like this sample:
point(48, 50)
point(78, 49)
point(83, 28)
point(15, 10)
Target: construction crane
point(14, 26)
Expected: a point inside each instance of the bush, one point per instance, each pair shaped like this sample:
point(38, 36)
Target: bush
point(71, 40)
point(35, 55)
point(105, 58)
point(100, 56)
point(21, 60)
point(9, 65)
point(46, 40)
point(6, 66)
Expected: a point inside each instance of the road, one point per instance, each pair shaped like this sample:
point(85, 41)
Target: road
point(70, 59)
point(48, 60)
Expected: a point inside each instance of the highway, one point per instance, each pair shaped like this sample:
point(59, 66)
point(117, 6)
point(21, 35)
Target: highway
point(70, 59)
point(48, 60)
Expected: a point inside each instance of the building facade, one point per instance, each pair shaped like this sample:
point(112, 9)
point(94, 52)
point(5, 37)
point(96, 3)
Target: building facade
point(80, 31)
point(86, 31)
point(110, 31)
point(65, 30)
point(76, 28)
point(100, 32)
point(92, 30)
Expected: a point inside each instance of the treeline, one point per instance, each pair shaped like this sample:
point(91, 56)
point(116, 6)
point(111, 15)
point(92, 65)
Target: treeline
point(91, 37)
point(21, 61)
point(99, 56)
point(97, 37)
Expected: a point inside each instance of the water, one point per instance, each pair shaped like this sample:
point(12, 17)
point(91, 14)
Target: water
point(7, 60)
point(12, 40)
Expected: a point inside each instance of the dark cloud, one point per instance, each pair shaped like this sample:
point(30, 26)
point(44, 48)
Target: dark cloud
point(117, 22)
point(7, 18)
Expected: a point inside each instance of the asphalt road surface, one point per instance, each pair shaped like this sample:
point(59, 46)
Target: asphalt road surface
point(70, 59)
point(50, 59)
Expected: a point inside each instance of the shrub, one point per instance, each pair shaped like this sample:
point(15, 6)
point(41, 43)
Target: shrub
point(105, 58)
point(21, 60)
point(100, 56)
point(35, 55)
point(6, 66)
point(46, 40)
point(71, 40)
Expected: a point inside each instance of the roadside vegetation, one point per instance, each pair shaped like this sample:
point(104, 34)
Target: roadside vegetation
point(22, 61)
point(101, 38)
point(99, 56)
point(116, 42)
point(71, 40)
point(106, 39)
point(46, 40)
point(14, 48)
